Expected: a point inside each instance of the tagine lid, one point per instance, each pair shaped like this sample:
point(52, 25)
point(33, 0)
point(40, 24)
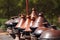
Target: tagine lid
point(38, 22)
point(26, 23)
point(34, 13)
point(21, 21)
point(27, 29)
point(51, 34)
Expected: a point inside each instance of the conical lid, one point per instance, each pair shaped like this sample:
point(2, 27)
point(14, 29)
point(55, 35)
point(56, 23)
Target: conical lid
point(33, 16)
point(21, 21)
point(51, 34)
point(26, 25)
point(31, 23)
point(34, 13)
point(38, 22)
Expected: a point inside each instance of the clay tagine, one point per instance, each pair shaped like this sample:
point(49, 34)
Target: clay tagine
point(26, 25)
point(37, 22)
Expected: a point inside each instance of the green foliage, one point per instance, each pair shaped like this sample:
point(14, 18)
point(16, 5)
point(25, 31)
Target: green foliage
point(51, 8)
point(2, 22)
point(3, 27)
point(10, 8)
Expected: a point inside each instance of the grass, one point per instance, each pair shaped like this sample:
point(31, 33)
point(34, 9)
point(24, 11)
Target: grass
point(2, 22)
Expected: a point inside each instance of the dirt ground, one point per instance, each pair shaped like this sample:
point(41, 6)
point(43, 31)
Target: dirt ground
point(5, 36)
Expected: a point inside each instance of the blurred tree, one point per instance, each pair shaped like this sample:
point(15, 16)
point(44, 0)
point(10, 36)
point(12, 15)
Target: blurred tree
point(13, 7)
point(51, 8)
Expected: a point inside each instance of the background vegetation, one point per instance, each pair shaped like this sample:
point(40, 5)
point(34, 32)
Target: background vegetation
point(51, 9)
